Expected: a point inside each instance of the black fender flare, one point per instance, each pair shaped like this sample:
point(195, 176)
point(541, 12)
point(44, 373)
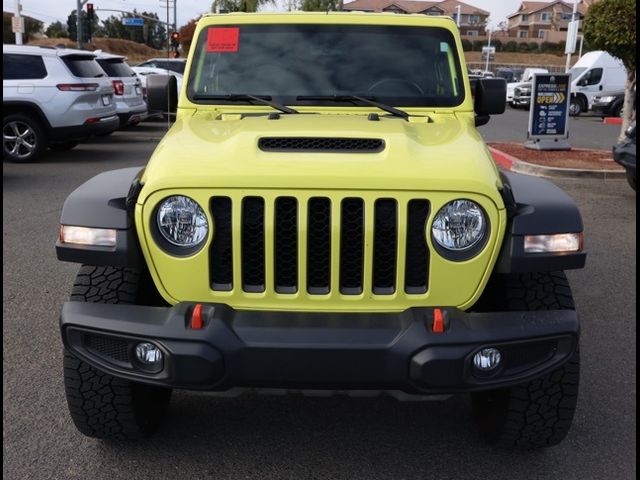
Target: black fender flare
point(104, 201)
point(536, 206)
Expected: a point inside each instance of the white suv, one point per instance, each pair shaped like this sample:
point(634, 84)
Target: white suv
point(130, 105)
point(52, 97)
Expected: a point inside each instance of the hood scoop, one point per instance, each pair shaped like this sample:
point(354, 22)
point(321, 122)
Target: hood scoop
point(321, 144)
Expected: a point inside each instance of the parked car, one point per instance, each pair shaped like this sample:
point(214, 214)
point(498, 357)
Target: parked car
point(524, 85)
point(52, 97)
point(510, 75)
point(130, 105)
point(594, 73)
point(291, 233)
point(174, 64)
point(624, 153)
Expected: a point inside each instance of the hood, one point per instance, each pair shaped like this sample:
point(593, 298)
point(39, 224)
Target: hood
point(212, 150)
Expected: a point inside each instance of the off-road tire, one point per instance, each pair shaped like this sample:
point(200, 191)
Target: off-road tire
point(101, 405)
point(539, 413)
point(36, 137)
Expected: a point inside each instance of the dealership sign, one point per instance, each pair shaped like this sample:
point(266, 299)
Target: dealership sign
point(549, 112)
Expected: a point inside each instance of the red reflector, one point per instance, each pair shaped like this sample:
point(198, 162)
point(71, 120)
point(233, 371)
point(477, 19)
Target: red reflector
point(92, 120)
point(196, 317)
point(118, 87)
point(77, 87)
point(438, 321)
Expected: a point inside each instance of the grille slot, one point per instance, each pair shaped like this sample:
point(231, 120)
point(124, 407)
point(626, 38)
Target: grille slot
point(109, 347)
point(286, 245)
point(221, 252)
point(319, 246)
point(385, 247)
point(253, 244)
point(320, 144)
point(417, 253)
point(351, 246)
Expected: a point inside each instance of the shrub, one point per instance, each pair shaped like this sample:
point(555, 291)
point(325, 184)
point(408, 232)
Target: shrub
point(511, 46)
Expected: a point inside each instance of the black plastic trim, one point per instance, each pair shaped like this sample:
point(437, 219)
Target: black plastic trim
point(104, 201)
point(536, 206)
point(325, 350)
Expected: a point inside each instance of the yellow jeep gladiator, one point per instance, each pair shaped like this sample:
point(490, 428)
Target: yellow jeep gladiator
point(323, 215)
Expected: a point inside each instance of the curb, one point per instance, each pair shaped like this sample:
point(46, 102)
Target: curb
point(612, 121)
point(513, 164)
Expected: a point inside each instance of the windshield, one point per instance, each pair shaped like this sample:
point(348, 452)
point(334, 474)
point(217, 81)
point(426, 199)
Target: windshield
point(402, 66)
point(576, 72)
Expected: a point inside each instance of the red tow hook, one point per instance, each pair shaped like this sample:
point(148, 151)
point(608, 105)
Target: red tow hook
point(196, 317)
point(438, 321)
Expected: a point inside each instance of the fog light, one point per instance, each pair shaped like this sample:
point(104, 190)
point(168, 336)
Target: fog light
point(148, 354)
point(487, 359)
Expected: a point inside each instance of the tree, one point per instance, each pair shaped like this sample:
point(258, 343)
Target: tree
point(186, 34)
point(153, 33)
point(72, 25)
point(239, 5)
point(57, 30)
point(611, 26)
point(319, 5)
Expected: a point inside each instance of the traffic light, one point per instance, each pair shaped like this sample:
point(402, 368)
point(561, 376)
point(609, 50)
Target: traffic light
point(175, 43)
point(89, 20)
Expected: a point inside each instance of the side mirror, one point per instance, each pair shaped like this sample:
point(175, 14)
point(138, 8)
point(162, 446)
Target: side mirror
point(489, 98)
point(162, 93)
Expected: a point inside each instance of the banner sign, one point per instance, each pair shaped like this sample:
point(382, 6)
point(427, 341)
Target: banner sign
point(549, 112)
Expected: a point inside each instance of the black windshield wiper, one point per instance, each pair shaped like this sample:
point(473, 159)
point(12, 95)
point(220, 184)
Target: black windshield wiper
point(356, 98)
point(239, 97)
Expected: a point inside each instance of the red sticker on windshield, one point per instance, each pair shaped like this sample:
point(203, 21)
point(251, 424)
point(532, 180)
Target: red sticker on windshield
point(223, 39)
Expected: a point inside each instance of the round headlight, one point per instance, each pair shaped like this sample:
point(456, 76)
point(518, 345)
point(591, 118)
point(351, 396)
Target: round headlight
point(459, 225)
point(182, 222)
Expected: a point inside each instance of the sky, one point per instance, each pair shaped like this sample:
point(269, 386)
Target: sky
point(51, 10)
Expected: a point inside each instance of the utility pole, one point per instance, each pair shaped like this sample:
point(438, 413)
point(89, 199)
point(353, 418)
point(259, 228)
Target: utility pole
point(17, 16)
point(459, 9)
point(80, 4)
point(175, 15)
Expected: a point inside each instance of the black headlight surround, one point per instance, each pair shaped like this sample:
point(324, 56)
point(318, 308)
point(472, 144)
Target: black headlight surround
point(467, 253)
point(169, 247)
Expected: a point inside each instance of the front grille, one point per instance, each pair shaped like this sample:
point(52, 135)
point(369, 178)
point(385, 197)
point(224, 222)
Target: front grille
point(320, 144)
point(318, 245)
point(113, 348)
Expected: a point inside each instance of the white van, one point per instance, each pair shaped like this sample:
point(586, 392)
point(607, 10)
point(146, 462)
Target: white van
point(594, 73)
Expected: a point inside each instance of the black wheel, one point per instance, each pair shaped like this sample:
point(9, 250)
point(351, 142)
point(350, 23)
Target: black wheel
point(575, 107)
point(617, 110)
point(538, 413)
point(62, 146)
point(23, 138)
point(631, 178)
point(101, 405)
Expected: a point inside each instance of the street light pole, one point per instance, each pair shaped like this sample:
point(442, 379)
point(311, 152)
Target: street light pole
point(17, 15)
point(459, 9)
point(488, 51)
point(573, 19)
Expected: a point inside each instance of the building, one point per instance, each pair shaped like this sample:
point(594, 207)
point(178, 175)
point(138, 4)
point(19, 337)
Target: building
point(547, 21)
point(473, 20)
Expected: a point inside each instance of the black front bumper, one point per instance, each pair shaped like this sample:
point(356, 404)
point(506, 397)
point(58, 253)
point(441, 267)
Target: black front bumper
point(345, 351)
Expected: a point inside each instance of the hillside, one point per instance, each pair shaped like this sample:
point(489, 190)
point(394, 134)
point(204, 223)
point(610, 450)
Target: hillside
point(521, 58)
point(135, 52)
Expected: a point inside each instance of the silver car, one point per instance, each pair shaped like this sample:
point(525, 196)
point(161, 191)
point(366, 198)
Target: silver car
point(52, 97)
point(130, 105)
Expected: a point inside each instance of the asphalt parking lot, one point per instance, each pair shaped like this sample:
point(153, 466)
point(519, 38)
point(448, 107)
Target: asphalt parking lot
point(299, 437)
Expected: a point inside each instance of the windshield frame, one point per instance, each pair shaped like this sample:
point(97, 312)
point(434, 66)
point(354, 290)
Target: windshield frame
point(425, 102)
